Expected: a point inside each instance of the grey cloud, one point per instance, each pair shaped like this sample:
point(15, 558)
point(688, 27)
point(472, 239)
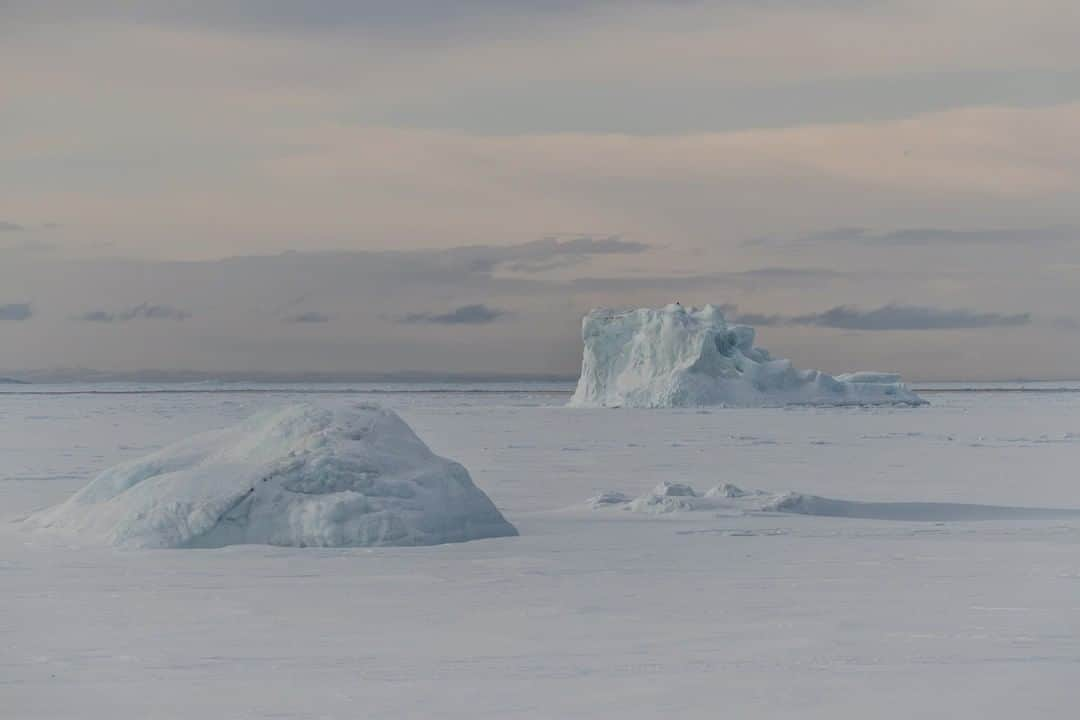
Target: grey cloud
point(539, 266)
point(707, 103)
point(933, 236)
point(710, 102)
point(760, 319)
point(926, 237)
point(310, 316)
point(383, 274)
point(291, 16)
point(333, 13)
point(144, 311)
point(887, 317)
point(550, 253)
point(1066, 323)
point(16, 311)
point(538, 255)
point(27, 246)
point(478, 314)
point(786, 273)
point(908, 317)
point(747, 279)
point(372, 281)
point(157, 312)
point(97, 316)
point(25, 239)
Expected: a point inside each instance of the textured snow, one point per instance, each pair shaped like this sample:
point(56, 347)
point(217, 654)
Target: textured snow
point(327, 475)
point(677, 356)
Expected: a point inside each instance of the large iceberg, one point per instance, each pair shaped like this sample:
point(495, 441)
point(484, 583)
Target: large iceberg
point(328, 474)
point(682, 356)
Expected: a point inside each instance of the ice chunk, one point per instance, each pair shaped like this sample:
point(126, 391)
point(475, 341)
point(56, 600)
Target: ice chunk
point(328, 474)
point(607, 498)
point(727, 490)
point(666, 497)
point(677, 356)
point(673, 489)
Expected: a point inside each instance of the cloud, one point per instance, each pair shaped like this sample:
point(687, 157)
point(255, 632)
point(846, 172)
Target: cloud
point(463, 265)
point(937, 236)
point(16, 311)
point(383, 274)
point(746, 279)
point(478, 314)
point(310, 316)
point(288, 16)
point(143, 311)
point(10, 226)
point(27, 246)
point(760, 319)
point(888, 317)
point(538, 255)
point(907, 317)
point(1070, 324)
point(550, 253)
point(926, 237)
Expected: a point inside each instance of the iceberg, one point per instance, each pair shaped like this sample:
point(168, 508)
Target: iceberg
point(314, 474)
point(679, 356)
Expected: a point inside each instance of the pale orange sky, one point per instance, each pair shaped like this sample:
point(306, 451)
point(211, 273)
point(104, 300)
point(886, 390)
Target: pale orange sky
point(715, 140)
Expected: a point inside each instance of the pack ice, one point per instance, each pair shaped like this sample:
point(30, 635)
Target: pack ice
point(679, 356)
point(331, 474)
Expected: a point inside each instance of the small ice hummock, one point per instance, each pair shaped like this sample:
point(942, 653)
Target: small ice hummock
point(314, 474)
point(666, 497)
point(607, 499)
point(679, 356)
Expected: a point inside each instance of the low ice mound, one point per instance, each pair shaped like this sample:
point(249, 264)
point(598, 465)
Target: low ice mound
point(730, 499)
point(727, 490)
point(666, 497)
point(673, 497)
point(679, 357)
point(607, 499)
point(816, 505)
point(329, 475)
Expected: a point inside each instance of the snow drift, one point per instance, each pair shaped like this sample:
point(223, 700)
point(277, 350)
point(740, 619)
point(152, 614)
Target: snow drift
point(731, 500)
point(338, 474)
point(677, 357)
point(676, 497)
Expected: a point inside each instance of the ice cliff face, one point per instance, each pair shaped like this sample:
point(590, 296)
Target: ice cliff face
point(677, 356)
point(328, 474)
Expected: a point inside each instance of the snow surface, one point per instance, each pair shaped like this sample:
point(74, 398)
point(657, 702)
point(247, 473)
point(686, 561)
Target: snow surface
point(590, 613)
point(677, 356)
point(328, 475)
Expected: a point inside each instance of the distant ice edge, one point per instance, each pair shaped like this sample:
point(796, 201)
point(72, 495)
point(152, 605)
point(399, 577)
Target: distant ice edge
point(679, 356)
point(329, 474)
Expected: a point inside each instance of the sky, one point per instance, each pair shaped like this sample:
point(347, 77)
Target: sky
point(434, 186)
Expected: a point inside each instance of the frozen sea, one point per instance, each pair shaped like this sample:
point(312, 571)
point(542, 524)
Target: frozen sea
point(952, 610)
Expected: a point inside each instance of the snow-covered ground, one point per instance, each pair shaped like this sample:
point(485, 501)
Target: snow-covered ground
point(590, 612)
